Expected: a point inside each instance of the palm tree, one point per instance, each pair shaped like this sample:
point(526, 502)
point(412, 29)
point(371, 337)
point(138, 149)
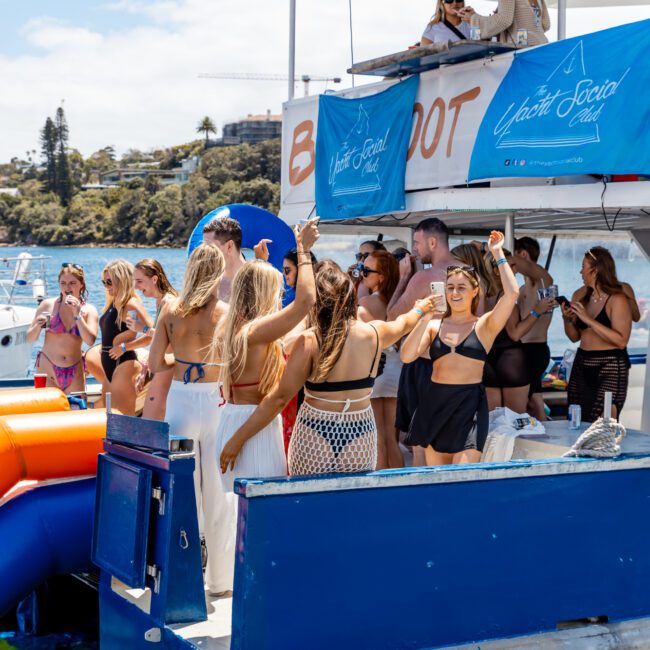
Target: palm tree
point(206, 125)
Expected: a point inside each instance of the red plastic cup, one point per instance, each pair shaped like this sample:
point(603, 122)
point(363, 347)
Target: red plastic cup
point(40, 380)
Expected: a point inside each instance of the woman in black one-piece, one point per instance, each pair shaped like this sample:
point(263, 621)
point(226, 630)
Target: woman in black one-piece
point(451, 420)
point(599, 316)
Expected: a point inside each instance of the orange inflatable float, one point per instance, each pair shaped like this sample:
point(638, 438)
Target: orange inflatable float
point(39, 446)
point(32, 400)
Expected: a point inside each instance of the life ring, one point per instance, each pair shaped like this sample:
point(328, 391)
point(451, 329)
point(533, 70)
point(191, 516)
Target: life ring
point(256, 223)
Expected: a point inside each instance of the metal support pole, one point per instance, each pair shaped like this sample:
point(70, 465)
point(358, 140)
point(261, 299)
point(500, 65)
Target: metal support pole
point(292, 46)
point(509, 233)
point(561, 19)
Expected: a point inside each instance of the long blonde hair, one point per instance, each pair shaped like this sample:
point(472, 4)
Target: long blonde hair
point(203, 273)
point(121, 274)
point(439, 14)
point(256, 292)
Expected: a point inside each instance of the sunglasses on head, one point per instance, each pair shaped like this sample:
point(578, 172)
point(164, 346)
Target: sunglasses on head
point(361, 256)
point(365, 271)
point(593, 257)
point(107, 283)
point(74, 266)
point(458, 267)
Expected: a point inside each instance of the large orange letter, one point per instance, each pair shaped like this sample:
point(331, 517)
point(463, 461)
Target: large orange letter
point(303, 142)
point(419, 110)
point(427, 152)
point(455, 105)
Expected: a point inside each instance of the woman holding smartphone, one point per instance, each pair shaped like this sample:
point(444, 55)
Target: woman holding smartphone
point(451, 420)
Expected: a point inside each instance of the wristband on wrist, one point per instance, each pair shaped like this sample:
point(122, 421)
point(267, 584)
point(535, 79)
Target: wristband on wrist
point(123, 347)
point(535, 313)
point(145, 329)
point(502, 260)
point(77, 317)
point(417, 310)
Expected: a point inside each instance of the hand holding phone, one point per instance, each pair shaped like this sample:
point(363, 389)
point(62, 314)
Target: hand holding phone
point(438, 290)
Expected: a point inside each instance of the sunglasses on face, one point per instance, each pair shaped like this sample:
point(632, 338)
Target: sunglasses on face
point(361, 256)
point(107, 283)
point(365, 271)
point(458, 2)
point(74, 266)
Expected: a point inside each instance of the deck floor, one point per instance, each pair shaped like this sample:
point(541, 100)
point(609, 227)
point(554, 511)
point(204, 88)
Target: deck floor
point(213, 634)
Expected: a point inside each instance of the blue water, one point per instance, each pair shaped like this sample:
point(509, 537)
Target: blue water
point(631, 265)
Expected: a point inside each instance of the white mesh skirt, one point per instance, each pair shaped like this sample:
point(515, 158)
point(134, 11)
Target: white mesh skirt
point(325, 442)
point(386, 384)
point(262, 456)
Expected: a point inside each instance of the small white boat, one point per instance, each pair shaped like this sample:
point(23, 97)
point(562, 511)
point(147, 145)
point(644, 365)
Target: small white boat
point(22, 285)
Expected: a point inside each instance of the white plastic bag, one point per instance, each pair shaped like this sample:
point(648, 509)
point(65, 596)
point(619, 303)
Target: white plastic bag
point(503, 431)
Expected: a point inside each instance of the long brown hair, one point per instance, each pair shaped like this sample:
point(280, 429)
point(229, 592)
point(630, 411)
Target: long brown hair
point(602, 262)
point(335, 308)
point(473, 277)
point(470, 255)
point(151, 268)
point(78, 273)
point(389, 268)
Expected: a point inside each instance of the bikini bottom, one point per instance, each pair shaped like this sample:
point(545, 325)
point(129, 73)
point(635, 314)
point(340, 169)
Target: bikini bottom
point(64, 375)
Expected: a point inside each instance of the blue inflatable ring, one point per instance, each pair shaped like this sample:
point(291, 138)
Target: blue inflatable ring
point(256, 223)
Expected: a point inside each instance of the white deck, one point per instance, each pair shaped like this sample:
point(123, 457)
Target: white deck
point(213, 634)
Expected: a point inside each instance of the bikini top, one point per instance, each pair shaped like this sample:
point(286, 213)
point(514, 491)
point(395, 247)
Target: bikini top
point(469, 347)
point(57, 326)
point(601, 318)
point(348, 384)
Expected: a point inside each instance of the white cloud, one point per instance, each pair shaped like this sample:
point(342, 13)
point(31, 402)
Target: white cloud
point(139, 87)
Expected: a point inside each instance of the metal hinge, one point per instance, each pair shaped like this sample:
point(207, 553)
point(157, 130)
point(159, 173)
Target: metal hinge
point(154, 572)
point(159, 495)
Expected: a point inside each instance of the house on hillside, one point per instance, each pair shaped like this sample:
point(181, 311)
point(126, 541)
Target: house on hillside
point(252, 129)
point(176, 176)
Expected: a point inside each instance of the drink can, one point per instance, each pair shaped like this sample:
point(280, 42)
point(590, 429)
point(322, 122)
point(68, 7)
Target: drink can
point(522, 37)
point(48, 319)
point(475, 33)
point(575, 416)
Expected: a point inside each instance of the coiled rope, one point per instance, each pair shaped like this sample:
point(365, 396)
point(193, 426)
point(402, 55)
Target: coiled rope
point(601, 440)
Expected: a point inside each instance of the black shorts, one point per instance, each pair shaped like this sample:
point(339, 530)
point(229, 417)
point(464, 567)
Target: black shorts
point(414, 379)
point(538, 356)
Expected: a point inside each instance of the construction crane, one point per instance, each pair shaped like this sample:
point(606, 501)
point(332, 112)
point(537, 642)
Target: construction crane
point(253, 76)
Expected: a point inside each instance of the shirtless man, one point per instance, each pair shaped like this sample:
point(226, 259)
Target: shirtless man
point(225, 234)
point(535, 343)
point(195, 399)
point(431, 246)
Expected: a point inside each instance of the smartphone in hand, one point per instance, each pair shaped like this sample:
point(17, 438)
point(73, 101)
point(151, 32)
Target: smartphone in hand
point(439, 289)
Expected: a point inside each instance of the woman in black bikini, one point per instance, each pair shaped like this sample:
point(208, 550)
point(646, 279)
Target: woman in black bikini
point(335, 428)
point(451, 421)
point(120, 366)
point(599, 317)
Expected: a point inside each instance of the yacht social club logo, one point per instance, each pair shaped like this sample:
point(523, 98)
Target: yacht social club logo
point(564, 111)
point(356, 166)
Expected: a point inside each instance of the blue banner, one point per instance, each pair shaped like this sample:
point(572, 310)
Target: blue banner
point(579, 106)
point(361, 148)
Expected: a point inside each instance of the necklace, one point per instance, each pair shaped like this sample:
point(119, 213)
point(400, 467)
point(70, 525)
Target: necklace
point(597, 300)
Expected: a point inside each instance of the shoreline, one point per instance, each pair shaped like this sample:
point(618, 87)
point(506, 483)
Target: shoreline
point(93, 245)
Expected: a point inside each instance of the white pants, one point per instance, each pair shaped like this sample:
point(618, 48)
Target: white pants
point(193, 411)
point(262, 456)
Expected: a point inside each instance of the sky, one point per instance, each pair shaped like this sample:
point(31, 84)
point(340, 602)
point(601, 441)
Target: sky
point(126, 71)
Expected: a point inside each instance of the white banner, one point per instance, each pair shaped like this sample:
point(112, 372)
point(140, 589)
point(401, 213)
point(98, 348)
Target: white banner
point(447, 113)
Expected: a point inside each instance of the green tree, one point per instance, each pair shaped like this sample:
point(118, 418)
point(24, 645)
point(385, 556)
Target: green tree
point(206, 126)
point(48, 149)
point(64, 175)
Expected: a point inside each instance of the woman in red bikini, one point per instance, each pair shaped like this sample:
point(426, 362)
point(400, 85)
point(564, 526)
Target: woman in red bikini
point(69, 321)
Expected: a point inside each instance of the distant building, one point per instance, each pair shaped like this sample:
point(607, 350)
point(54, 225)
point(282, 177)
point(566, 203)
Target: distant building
point(176, 176)
point(254, 128)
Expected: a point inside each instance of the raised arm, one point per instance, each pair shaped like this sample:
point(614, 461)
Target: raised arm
point(40, 320)
point(275, 326)
point(518, 327)
point(418, 287)
point(494, 321)
point(88, 324)
point(298, 369)
point(417, 343)
point(392, 331)
point(496, 23)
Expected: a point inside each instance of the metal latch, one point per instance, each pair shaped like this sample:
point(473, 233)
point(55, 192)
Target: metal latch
point(154, 572)
point(159, 495)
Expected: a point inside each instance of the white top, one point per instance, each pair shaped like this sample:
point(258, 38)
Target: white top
point(440, 33)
